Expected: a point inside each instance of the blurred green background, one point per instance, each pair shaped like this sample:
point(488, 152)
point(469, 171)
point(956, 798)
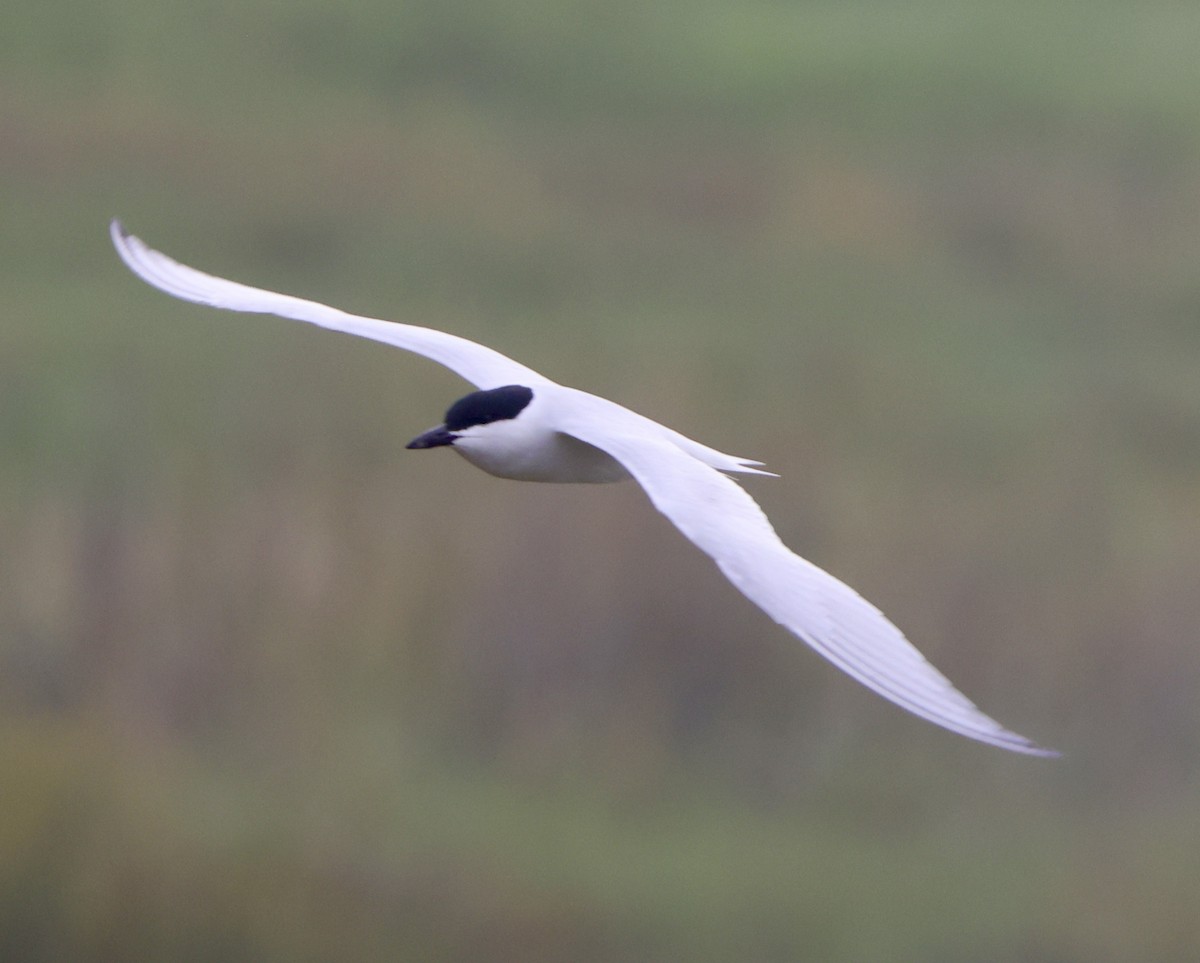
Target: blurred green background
point(272, 688)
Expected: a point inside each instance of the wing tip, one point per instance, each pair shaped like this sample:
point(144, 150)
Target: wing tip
point(1001, 738)
point(1026, 747)
point(125, 242)
point(118, 233)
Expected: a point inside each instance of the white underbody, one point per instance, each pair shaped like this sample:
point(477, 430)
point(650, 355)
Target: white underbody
point(552, 457)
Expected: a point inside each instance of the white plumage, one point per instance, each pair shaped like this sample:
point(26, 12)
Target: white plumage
point(550, 432)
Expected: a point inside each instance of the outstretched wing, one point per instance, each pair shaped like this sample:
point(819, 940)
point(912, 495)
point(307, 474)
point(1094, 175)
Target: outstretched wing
point(478, 364)
point(724, 522)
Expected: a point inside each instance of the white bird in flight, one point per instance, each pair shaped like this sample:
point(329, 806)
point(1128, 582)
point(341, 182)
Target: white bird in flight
point(522, 425)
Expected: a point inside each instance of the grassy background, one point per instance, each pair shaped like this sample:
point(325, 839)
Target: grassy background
point(272, 689)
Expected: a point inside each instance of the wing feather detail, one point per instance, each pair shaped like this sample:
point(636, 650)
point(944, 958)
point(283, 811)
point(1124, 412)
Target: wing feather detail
point(478, 364)
point(724, 522)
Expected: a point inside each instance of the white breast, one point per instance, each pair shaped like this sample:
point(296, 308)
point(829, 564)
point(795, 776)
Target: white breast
point(525, 452)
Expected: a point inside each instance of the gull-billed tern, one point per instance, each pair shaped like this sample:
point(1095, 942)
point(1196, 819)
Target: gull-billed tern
point(522, 425)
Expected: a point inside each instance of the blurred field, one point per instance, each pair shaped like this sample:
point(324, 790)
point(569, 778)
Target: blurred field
point(272, 688)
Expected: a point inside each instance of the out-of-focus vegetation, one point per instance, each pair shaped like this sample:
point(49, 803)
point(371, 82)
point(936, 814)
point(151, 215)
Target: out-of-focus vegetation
point(273, 689)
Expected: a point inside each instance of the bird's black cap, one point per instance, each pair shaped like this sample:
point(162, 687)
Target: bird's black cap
point(484, 407)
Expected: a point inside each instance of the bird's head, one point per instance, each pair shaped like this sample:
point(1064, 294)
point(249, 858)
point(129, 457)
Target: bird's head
point(477, 418)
